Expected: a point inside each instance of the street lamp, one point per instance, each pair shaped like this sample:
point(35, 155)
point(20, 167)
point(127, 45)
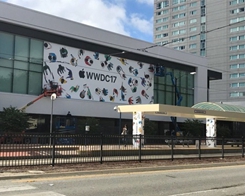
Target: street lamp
point(116, 108)
point(53, 97)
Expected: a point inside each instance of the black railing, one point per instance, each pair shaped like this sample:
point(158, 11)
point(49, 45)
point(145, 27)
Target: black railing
point(36, 149)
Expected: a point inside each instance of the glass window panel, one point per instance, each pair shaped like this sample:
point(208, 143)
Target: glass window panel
point(20, 65)
point(36, 67)
point(6, 63)
point(190, 101)
point(35, 83)
point(21, 48)
point(6, 45)
point(169, 98)
point(36, 51)
point(20, 82)
point(5, 79)
point(184, 100)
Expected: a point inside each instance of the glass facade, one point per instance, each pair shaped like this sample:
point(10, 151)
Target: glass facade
point(165, 92)
point(21, 62)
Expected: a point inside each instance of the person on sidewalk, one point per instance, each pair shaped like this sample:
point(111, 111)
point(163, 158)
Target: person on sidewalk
point(124, 134)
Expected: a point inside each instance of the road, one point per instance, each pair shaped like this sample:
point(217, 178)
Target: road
point(218, 181)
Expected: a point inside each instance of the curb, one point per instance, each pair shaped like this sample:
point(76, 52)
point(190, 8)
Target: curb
point(27, 175)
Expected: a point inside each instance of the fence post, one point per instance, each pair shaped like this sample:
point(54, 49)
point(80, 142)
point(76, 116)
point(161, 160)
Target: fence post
point(140, 149)
point(53, 149)
point(199, 148)
point(172, 148)
point(223, 151)
point(101, 148)
point(242, 147)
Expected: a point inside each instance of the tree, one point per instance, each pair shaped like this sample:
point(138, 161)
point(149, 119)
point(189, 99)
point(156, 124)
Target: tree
point(13, 120)
point(194, 127)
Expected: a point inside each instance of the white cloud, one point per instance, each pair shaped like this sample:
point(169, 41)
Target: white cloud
point(97, 13)
point(144, 26)
point(148, 2)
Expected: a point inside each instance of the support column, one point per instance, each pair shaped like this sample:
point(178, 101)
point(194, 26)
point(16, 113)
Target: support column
point(138, 128)
point(211, 132)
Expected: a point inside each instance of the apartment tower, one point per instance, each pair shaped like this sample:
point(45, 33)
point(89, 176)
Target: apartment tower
point(210, 28)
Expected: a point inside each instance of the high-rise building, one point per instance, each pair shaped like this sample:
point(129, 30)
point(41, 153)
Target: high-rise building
point(210, 28)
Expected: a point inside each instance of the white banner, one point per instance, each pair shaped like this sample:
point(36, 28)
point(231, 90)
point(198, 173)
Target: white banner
point(87, 75)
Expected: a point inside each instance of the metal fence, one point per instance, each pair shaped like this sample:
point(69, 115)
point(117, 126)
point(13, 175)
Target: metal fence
point(41, 149)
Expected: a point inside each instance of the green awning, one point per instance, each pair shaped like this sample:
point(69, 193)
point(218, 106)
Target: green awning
point(219, 107)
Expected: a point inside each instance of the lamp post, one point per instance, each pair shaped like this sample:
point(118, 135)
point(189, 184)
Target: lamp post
point(53, 97)
point(175, 103)
point(120, 122)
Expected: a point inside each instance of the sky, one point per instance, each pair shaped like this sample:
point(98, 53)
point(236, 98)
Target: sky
point(132, 18)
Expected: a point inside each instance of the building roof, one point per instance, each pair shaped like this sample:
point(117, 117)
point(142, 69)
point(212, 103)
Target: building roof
point(219, 107)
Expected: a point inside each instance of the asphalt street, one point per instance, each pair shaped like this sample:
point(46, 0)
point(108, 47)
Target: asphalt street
point(218, 181)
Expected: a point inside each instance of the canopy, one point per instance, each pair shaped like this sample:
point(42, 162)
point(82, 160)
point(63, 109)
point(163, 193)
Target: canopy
point(202, 110)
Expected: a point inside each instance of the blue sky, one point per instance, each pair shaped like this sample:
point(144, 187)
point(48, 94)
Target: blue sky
point(132, 18)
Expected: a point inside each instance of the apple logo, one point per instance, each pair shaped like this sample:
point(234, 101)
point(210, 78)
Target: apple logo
point(81, 73)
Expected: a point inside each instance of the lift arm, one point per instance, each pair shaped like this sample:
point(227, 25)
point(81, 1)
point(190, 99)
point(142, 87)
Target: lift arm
point(47, 92)
point(161, 72)
point(30, 103)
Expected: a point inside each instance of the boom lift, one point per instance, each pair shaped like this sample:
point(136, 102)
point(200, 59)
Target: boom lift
point(48, 91)
point(160, 71)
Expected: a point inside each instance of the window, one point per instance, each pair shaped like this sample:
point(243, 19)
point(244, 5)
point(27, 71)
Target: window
point(237, 38)
point(237, 47)
point(179, 24)
point(234, 2)
point(193, 4)
point(178, 1)
point(203, 19)
point(202, 45)
point(192, 46)
point(179, 48)
point(203, 52)
point(158, 36)
point(237, 84)
point(234, 75)
point(237, 20)
point(163, 4)
point(237, 75)
point(234, 94)
point(237, 56)
point(162, 12)
point(236, 29)
point(178, 32)
point(194, 37)
point(233, 85)
point(178, 40)
point(193, 28)
point(203, 11)
point(194, 20)
point(193, 12)
point(179, 16)
point(202, 36)
point(182, 7)
point(21, 64)
point(238, 10)
point(159, 20)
